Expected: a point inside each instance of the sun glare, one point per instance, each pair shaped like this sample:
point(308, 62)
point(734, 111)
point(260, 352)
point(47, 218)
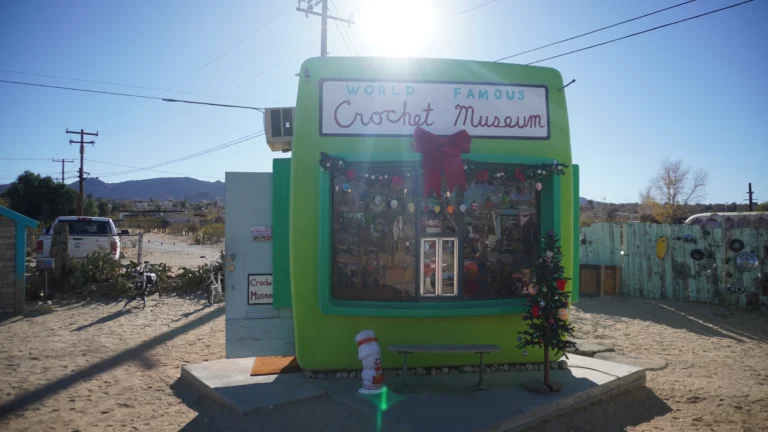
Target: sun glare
point(397, 28)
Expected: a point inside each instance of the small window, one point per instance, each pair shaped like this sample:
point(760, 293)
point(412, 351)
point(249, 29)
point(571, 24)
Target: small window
point(87, 227)
point(438, 269)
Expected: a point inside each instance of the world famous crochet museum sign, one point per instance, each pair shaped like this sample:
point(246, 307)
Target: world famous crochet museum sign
point(389, 108)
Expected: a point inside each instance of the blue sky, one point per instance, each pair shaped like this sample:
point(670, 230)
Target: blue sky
point(694, 91)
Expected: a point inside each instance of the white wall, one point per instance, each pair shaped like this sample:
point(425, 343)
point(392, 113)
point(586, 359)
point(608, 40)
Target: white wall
point(252, 330)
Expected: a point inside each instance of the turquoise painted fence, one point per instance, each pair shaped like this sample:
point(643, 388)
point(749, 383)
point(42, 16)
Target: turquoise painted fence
point(677, 276)
point(600, 244)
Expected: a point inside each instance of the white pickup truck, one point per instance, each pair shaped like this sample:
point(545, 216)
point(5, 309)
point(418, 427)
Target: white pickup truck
point(86, 235)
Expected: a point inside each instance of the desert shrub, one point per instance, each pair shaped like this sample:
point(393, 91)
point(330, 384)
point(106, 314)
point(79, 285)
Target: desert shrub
point(96, 267)
point(213, 233)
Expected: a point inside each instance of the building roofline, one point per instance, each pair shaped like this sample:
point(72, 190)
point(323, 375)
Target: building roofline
point(18, 217)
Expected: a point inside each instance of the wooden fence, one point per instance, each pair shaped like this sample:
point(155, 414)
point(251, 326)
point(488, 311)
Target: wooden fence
point(678, 276)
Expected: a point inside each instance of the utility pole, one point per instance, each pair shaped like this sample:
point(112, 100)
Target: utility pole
point(82, 143)
point(63, 161)
point(751, 193)
point(310, 10)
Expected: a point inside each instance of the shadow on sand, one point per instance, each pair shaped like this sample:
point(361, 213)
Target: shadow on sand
point(135, 353)
point(703, 319)
point(618, 413)
point(316, 414)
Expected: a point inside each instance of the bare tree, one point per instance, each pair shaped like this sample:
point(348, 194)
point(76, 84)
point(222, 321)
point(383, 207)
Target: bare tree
point(673, 187)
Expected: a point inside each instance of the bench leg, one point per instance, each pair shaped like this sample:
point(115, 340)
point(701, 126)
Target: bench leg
point(405, 369)
point(480, 383)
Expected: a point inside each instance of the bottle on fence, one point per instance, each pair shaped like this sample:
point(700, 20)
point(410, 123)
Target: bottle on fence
point(369, 352)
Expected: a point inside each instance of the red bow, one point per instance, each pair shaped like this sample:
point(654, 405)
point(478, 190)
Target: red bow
point(520, 176)
point(441, 156)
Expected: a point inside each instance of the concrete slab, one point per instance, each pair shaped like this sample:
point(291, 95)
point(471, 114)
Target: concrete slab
point(588, 348)
point(229, 382)
point(647, 363)
point(445, 403)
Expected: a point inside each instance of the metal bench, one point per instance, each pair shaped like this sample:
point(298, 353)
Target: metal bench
point(442, 349)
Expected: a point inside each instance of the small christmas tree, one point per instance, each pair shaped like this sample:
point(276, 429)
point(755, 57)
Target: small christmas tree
point(547, 310)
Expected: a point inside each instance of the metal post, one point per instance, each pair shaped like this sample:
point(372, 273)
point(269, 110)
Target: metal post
point(139, 247)
point(405, 368)
point(480, 383)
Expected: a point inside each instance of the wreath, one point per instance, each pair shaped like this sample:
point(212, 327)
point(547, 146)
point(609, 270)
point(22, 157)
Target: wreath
point(736, 245)
point(697, 254)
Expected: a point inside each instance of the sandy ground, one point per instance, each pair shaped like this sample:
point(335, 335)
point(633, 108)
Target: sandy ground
point(176, 251)
point(717, 374)
point(88, 366)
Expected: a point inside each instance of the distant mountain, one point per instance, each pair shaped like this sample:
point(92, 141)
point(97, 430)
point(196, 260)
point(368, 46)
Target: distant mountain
point(174, 188)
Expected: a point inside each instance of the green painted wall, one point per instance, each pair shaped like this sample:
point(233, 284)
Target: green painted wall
point(281, 210)
point(576, 226)
point(327, 341)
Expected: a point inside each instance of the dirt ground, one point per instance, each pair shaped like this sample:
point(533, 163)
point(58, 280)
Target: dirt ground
point(717, 374)
point(90, 367)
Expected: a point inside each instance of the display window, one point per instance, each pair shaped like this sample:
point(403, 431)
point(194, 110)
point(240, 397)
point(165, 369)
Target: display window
point(393, 244)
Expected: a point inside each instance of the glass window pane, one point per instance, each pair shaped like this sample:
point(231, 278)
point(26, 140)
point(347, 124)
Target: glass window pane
point(429, 267)
point(375, 250)
point(448, 264)
point(499, 239)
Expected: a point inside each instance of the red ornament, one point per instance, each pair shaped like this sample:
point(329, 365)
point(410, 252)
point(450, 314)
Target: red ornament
point(525, 317)
point(397, 181)
point(351, 173)
point(561, 284)
point(535, 311)
point(482, 176)
point(488, 203)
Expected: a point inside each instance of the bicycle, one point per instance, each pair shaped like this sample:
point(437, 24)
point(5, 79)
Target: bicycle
point(143, 281)
point(213, 285)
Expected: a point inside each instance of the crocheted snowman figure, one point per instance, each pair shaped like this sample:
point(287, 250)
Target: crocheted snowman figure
point(369, 352)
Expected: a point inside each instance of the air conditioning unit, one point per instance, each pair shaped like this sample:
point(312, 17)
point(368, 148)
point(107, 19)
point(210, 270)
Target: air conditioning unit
point(278, 125)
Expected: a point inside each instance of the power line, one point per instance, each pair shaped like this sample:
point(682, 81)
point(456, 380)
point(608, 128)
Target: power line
point(274, 65)
point(120, 94)
point(25, 159)
point(595, 31)
point(198, 69)
point(641, 32)
point(113, 84)
point(151, 125)
point(190, 156)
point(470, 9)
point(267, 69)
point(342, 33)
